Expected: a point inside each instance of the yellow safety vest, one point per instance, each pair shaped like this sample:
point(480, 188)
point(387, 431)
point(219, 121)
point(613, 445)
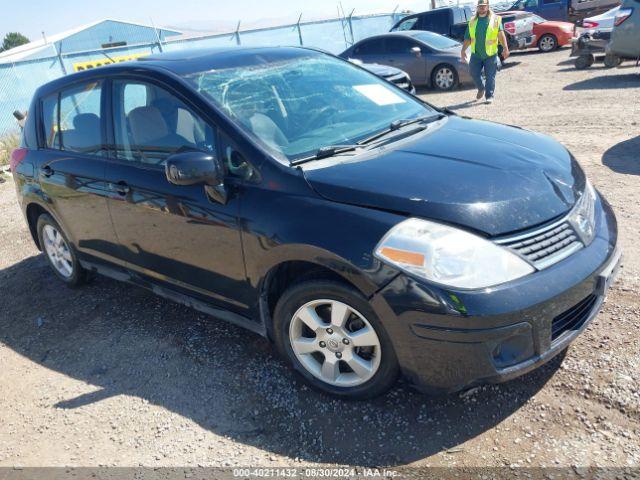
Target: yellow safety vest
point(491, 38)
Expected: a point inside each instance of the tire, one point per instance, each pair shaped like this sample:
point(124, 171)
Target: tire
point(444, 77)
point(547, 43)
point(377, 367)
point(612, 61)
point(584, 61)
point(59, 252)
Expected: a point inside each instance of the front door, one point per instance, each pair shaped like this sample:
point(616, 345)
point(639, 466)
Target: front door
point(399, 53)
point(176, 235)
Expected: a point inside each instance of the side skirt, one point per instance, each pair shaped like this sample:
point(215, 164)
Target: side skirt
point(123, 275)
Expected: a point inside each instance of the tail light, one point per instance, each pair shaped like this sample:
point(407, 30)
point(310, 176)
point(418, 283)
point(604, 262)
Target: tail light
point(510, 27)
point(622, 15)
point(588, 24)
point(17, 156)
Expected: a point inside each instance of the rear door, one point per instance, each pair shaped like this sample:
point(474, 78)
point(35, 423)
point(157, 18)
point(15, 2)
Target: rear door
point(72, 165)
point(177, 235)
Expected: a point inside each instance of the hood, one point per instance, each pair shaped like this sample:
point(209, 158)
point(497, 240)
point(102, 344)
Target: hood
point(484, 176)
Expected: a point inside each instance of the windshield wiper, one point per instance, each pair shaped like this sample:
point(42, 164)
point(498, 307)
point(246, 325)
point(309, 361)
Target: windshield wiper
point(331, 150)
point(326, 152)
point(398, 124)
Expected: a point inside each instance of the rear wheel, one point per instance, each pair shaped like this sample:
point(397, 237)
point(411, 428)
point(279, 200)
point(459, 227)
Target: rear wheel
point(59, 252)
point(333, 338)
point(612, 61)
point(584, 61)
point(547, 42)
point(444, 77)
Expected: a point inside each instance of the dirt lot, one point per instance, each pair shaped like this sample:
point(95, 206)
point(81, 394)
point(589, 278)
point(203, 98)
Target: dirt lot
point(112, 375)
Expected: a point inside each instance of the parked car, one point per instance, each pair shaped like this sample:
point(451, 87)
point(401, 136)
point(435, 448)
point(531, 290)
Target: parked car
point(551, 35)
point(430, 59)
point(604, 21)
point(561, 10)
point(518, 27)
point(390, 74)
point(448, 21)
point(360, 229)
point(625, 37)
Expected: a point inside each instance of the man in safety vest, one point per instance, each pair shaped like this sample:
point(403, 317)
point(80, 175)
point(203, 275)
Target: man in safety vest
point(483, 33)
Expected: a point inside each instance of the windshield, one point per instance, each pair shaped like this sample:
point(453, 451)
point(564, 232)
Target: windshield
point(298, 105)
point(537, 19)
point(439, 42)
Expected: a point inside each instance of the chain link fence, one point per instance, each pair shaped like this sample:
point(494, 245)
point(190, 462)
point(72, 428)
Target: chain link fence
point(18, 81)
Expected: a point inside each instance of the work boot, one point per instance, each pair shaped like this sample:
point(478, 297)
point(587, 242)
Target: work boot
point(480, 94)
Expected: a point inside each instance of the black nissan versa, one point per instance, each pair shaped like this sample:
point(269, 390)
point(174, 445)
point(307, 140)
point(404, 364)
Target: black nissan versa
point(364, 232)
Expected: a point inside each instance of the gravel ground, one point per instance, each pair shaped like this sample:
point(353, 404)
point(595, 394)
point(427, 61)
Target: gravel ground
point(112, 375)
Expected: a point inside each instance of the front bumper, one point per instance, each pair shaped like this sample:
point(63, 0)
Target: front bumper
point(448, 340)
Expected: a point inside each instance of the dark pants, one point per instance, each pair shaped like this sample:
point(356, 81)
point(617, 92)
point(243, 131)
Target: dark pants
point(490, 65)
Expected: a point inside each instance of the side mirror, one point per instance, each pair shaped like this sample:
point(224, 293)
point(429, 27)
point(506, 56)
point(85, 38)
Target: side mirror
point(193, 167)
point(417, 51)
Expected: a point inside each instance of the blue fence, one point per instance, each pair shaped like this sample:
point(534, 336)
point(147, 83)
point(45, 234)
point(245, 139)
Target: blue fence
point(18, 81)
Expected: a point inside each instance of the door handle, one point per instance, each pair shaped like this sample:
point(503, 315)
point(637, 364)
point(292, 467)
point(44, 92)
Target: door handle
point(121, 188)
point(46, 170)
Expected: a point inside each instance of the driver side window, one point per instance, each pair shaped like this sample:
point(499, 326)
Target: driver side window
point(150, 124)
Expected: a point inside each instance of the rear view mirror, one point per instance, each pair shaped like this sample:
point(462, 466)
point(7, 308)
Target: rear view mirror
point(193, 167)
point(416, 51)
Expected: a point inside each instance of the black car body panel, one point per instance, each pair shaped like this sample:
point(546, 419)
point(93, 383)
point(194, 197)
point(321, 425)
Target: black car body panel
point(223, 257)
point(528, 179)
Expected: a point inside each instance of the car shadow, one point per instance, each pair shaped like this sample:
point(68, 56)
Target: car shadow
point(628, 80)
point(464, 105)
point(623, 157)
point(123, 340)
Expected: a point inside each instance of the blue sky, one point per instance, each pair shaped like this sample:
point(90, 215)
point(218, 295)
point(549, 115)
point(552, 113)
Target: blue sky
point(31, 17)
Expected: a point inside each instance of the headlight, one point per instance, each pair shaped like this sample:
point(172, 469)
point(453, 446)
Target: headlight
point(583, 215)
point(449, 256)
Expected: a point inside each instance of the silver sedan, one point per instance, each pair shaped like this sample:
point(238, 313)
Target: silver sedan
point(430, 59)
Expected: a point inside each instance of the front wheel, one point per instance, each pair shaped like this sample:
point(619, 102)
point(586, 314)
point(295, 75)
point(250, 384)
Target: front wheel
point(333, 338)
point(547, 43)
point(444, 77)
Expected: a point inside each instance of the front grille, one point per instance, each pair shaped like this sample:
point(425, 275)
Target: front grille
point(573, 318)
point(545, 246)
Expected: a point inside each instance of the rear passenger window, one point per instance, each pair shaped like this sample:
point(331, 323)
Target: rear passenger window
point(72, 119)
point(150, 124)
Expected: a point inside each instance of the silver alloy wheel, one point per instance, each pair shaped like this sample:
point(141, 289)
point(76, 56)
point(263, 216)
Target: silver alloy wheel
point(445, 78)
point(547, 43)
point(335, 343)
point(57, 251)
